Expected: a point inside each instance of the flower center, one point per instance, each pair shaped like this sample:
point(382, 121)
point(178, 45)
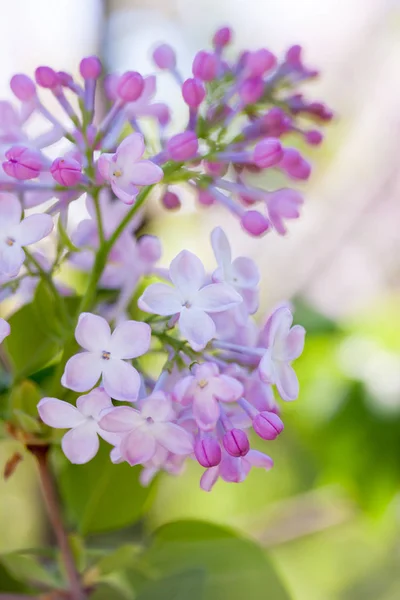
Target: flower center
point(150, 420)
point(105, 355)
point(10, 241)
point(202, 383)
point(117, 173)
point(187, 304)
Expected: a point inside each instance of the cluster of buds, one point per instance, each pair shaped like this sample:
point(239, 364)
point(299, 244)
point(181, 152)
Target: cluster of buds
point(221, 364)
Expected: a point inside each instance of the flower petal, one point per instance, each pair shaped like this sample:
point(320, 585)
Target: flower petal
point(127, 197)
point(160, 299)
point(121, 419)
point(93, 403)
point(82, 372)
point(187, 274)
point(173, 438)
point(11, 259)
point(266, 368)
point(206, 411)
point(59, 414)
point(277, 326)
point(103, 165)
point(130, 339)
point(158, 407)
point(294, 344)
point(258, 459)
point(227, 388)
point(130, 150)
point(120, 380)
point(181, 389)
point(196, 327)
point(33, 228)
point(216, 297)
point(81, 443)
point(221, 247)
point(209, 478)
point(10, 212)
point(145, 172)
point(93, 333)
point(245, 272)
point(286, 381)
point(138, 447)
point(5, 329)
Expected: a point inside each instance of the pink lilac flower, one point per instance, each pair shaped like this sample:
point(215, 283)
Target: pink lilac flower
point(204, 390)
point(145, 430)
point(284, 344)
point(81, 443)
point(235, 470)
point(14, 233)
point(22, 163)
point(283, 204)
point(5, 330)
point(105, 356)
point(190, 299)
point(125, 171)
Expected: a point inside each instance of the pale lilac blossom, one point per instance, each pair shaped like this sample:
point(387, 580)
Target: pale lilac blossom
point(5, 330)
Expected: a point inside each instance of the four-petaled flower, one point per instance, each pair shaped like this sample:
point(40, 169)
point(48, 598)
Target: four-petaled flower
point(4, 330)
point(144, 431)
point(105, 356)
point(15, 233)
point(284, 344)
point(190, 299)
point(125, 171)
point(81, 443)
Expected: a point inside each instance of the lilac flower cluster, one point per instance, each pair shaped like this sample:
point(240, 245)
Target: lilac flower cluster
point(221, 366)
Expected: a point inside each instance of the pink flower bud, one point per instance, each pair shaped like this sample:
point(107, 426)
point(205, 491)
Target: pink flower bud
point(110, 86)
point(164, 57)
point(294, 164)
point(268, 153)
point(183, 146)
point(314, 137)
point(66, 171)
point(90, 67)
point(205, 66)
point(23, 87)
point(22, 163)
point(65, 79)
point(293, 55)
point(267, 425)
point(149, 248)
point(255, 223)
point(171, 201)
point(222, 37)
point(276, 121)
point(163, 115)
point(208, 452)
point(193, 92)
point(205, 198)
point(130, 86)
point(236, 442)
point(46, 77)
point(251, 90)
point(320, 110)
point(259, 62)
point(217, 169)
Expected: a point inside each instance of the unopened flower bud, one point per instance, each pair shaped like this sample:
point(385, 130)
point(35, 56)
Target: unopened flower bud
point(193, 92)
point(222, 37)
point(171, 201)
point(90, 67)
point(66, 171)
point(267, 425)
point(183, 146)
point(46, 77)
point(267, 153)
point(294, 164)
point(293, 55)
point(259, 62)
point(255, 223)
point(208, 452)
point(314, 137)
point(23, 87)
point(130, 86)
point(205, 66)
point(236, 442)
point(164, 57)
point(22, 163)
point(205, 198)
point(216, 169)
point(251, 90)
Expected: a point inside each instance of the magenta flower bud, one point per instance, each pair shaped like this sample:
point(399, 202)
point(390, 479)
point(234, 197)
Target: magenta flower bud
point(193, 92)
point(267, 425)
point(164, 57)
point(314, 137)
point(236, 442)
point(222, 37)
point(267, 153)
point(163, 115)
point(171, 201)
point(259, 62)
point(65, 79)
point(205, 66)
point(251, 90)
point(130, 86)
point(183, 146)
point(294, 164)
point(90, 67)
point(255, 223)
point(22, 163)
point(46, 77)
point(208, 452)
point(205, 198)
point(23, 87)
point(216, 169)
point(66, 171)
point(293, 55)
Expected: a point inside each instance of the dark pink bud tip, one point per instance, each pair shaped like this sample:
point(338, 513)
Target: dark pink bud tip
point(236, 442)
point(314, 137)
point(208, 452)
point(205, 198)
point(183, 146)
point(66, 171)
point(164, 57)
point(259, 62)
point(171, 201)
point(193, 92)
point(267, 153)
point(222, 37)
point(23, 87)
point(251, 90)
point(205, 66)
point(255, 223)
point(90, 67)
point(130, 86)
point(46, 77)
point(267, 425)
point(22, 163)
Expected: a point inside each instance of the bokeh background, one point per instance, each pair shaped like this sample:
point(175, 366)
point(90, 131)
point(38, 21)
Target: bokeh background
point(328, 514)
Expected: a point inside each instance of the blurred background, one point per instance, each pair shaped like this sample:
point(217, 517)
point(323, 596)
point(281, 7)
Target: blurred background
point(329, 512)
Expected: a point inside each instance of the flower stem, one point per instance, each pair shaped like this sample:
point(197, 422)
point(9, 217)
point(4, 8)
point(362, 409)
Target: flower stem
point(54, 513)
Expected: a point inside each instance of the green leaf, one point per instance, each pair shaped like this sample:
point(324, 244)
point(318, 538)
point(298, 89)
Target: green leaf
point(101, 496)
point(181, 586)
point(118, 560)
point(235, 567)
point(64, 237)
point(26, 422)
point(9, 583)
point(28, 569)
point(23, 403)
